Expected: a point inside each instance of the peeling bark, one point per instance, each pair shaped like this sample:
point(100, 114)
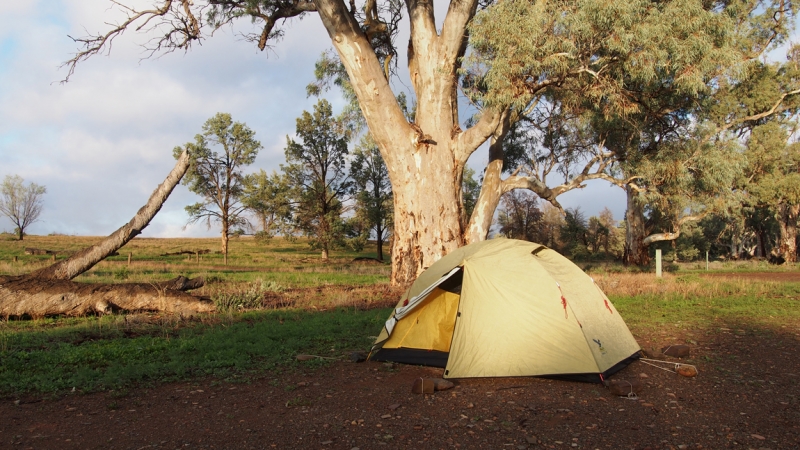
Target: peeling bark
point(425, 159)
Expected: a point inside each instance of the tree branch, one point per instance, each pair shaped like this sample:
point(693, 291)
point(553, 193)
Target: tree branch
point(469, 141)
point(761, 115)
point(184, 24)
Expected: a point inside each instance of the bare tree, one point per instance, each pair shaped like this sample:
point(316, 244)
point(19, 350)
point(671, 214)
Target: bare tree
point(22, 204)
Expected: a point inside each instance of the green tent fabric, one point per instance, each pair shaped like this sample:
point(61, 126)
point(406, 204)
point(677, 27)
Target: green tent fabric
point(505, 307)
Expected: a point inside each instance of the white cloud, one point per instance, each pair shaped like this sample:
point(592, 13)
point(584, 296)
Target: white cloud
point(102, 142)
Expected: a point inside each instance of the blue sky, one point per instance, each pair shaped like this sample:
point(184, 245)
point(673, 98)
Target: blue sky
point(102, 142)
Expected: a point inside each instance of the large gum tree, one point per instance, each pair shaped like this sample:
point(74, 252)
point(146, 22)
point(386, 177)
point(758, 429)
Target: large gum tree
point(520, 49)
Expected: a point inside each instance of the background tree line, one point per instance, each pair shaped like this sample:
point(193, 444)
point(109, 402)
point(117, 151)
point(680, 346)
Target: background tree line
point(335, 196)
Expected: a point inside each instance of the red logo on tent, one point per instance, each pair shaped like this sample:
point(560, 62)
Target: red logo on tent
point(563, 301)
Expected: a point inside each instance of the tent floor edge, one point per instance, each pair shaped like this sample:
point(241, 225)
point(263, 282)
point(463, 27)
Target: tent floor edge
point(622, 364)
point(415, 356)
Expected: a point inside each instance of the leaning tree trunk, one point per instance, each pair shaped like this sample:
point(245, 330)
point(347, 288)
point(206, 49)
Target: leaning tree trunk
point(489, 198)
point(787, 220)
point(86, 259)
point(635, 232)
point(49, 291)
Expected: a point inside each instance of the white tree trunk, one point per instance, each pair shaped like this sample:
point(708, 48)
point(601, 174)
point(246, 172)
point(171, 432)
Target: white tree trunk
point(426, 159)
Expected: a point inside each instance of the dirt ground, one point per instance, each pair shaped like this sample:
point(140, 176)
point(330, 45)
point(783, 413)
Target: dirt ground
point(745, 396)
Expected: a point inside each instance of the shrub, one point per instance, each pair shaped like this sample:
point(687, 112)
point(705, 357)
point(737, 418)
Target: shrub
point(248, 297)
point(122, 273)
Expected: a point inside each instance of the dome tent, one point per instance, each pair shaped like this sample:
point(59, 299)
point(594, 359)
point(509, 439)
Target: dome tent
point(505, 307)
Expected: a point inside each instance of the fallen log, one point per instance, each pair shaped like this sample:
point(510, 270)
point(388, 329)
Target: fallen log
point(38, 251)
point(182, 283)
point(31, 297)
point(49, 291)
point(187, 252)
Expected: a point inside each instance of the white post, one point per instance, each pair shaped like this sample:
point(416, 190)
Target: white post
point(658, 263)
point(706, 260)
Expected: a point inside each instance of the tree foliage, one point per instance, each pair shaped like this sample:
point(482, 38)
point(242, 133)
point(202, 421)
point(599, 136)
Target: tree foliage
point(519, 216)
point(218, 155)
point(268, 196)
point(316, 170)
point(20, 203)
point(372, 191)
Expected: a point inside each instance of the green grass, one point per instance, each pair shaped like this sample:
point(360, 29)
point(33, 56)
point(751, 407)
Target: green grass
point(91, 354)
point(285, 262)
point(766, 304)
point(52, 356)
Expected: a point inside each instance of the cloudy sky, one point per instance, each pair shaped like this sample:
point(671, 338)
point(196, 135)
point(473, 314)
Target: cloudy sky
point(102, 142)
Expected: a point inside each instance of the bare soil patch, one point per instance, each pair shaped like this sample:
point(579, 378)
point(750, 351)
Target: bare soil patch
point(746, 396)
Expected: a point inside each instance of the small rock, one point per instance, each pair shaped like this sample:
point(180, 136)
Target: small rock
point(394, 406)
point(531, 439)
point(358, 357)
point(440, 384)
point(758, 436)
point(386, 416)
point(623, 387)
point(326, 442)
point(678, 351)
point(686, 370)
point(643, 375)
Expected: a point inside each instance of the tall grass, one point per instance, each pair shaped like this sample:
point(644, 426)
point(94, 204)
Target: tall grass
point(644, 300)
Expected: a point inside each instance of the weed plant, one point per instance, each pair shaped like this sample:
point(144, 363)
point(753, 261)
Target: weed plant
point(249, 296)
